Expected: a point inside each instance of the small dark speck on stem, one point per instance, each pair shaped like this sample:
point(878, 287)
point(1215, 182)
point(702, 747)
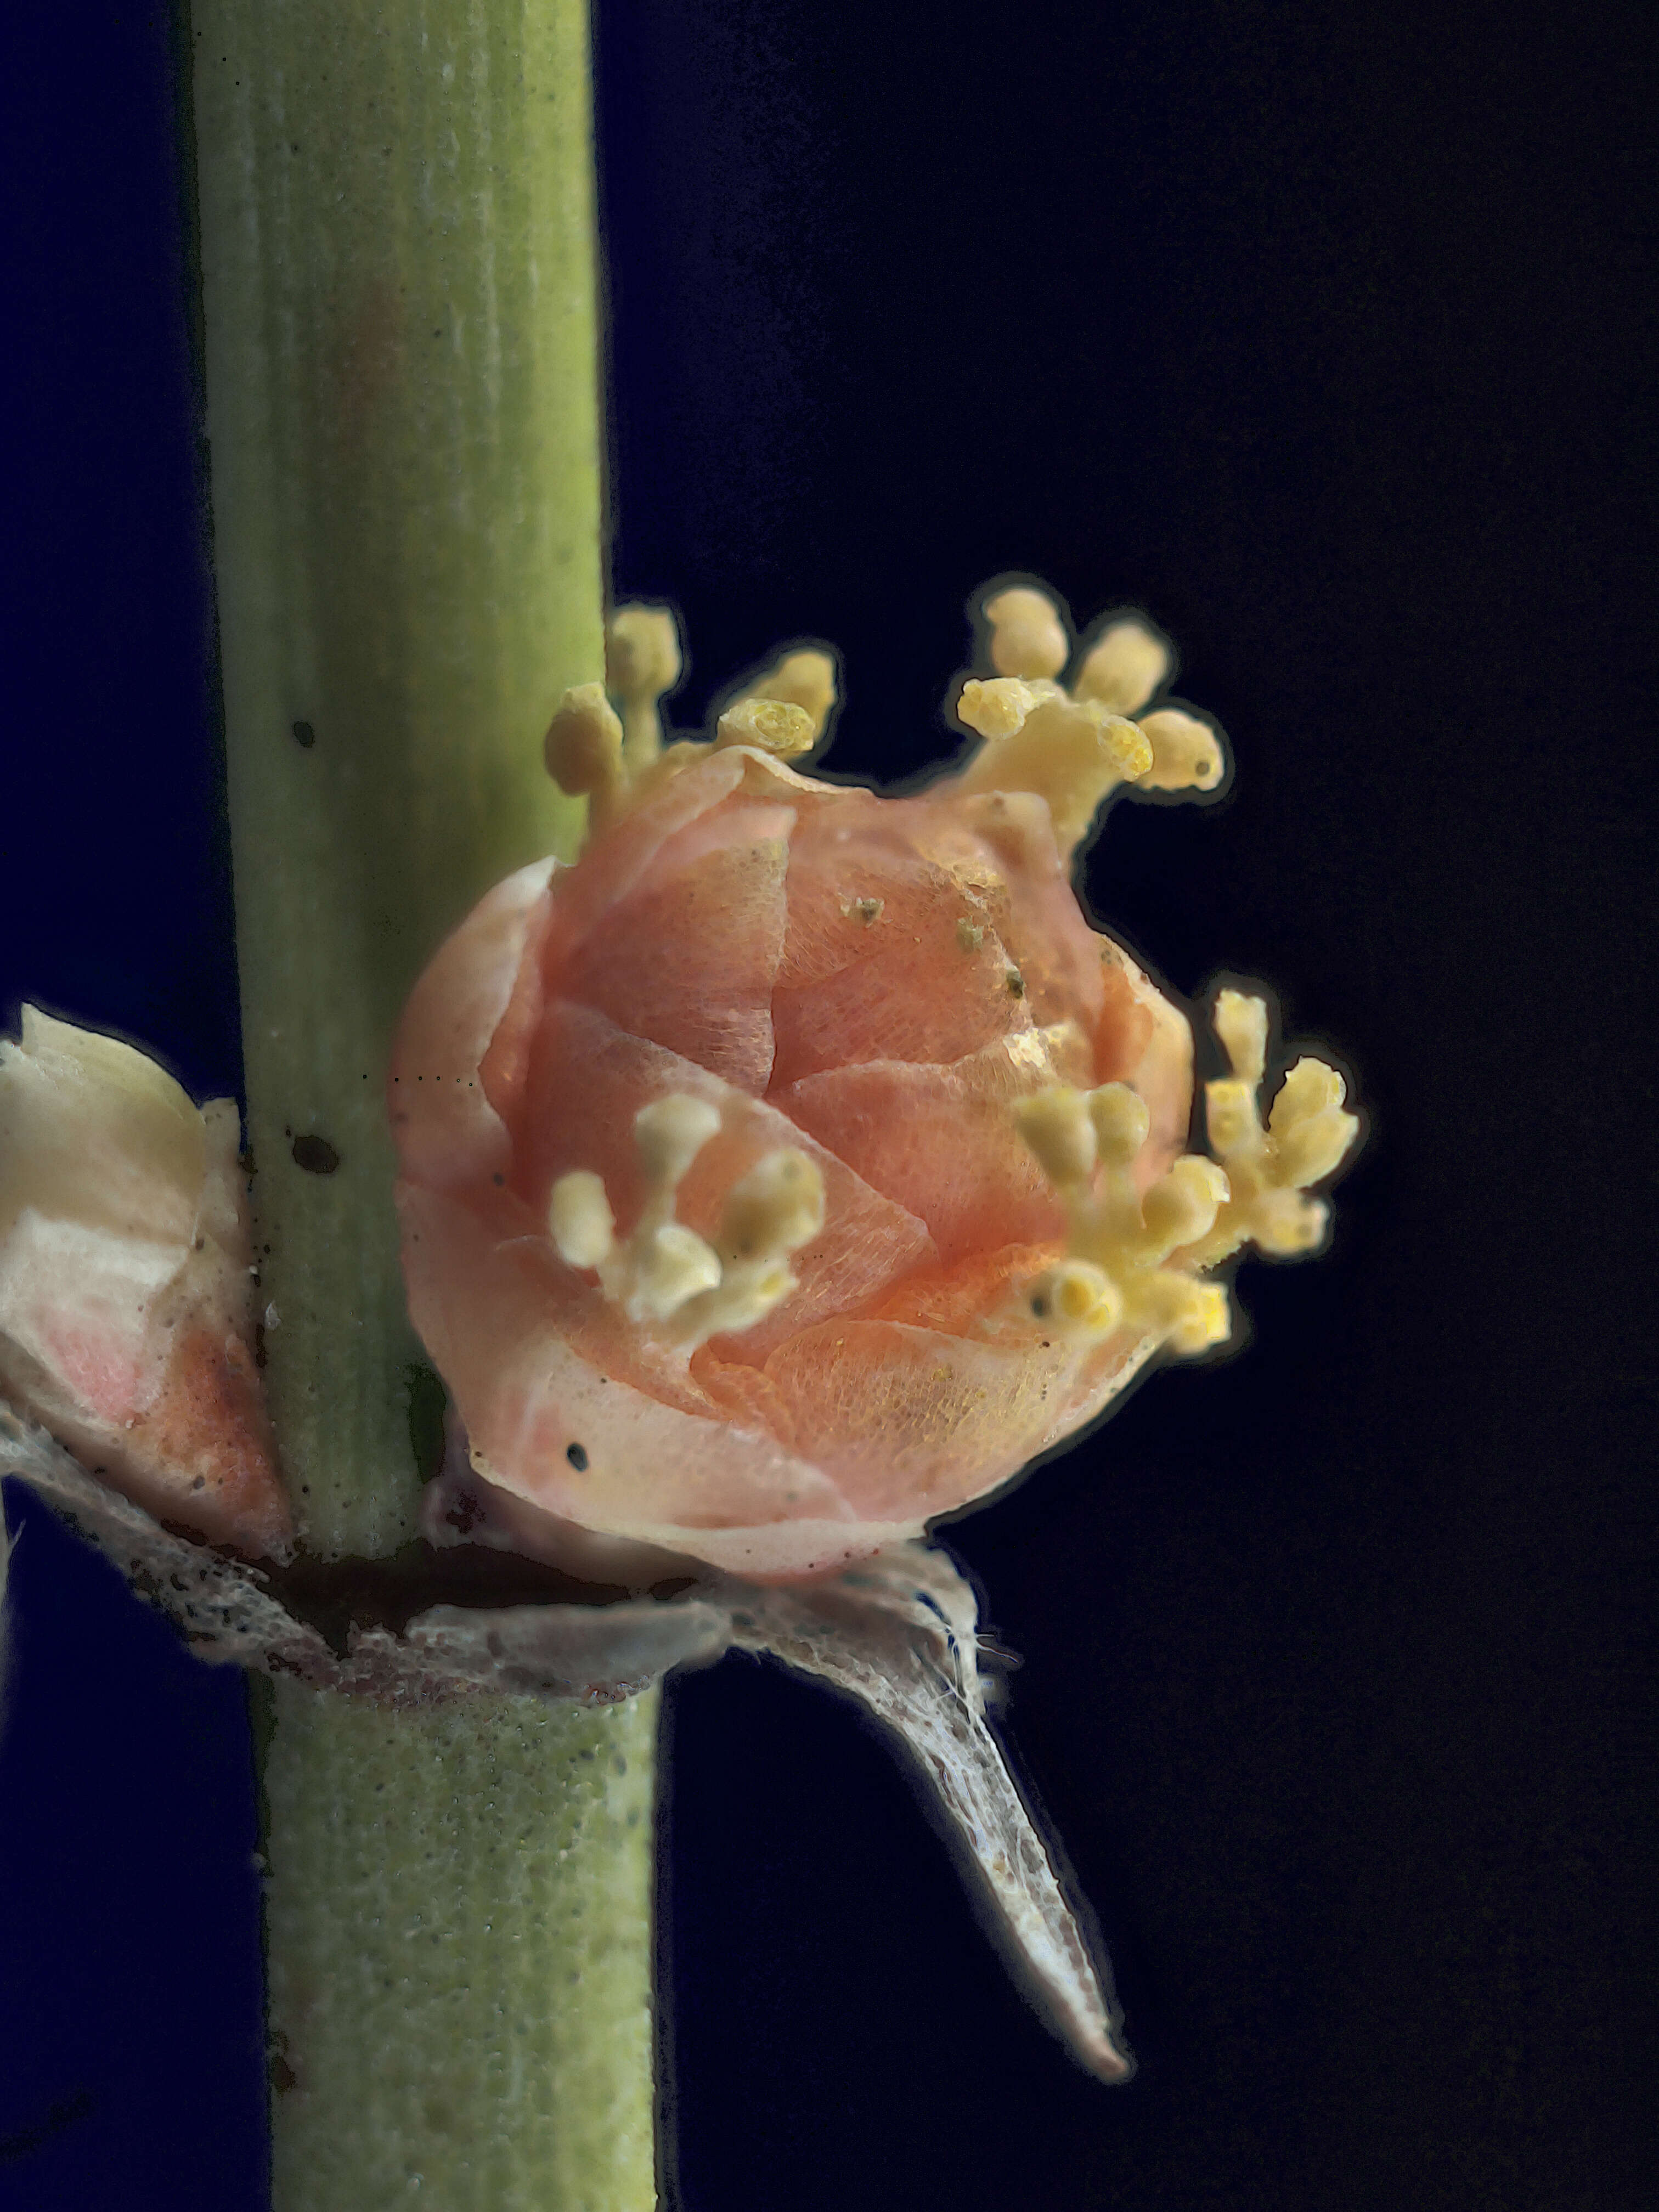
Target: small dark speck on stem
point(304, 735)
point(315, 1154)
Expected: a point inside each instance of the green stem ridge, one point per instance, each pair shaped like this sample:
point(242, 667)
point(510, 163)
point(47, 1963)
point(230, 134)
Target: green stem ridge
point(397, 247)
point(397, 250)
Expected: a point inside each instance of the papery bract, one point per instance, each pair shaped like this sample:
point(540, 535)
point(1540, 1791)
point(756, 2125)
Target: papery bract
point(124, 1281)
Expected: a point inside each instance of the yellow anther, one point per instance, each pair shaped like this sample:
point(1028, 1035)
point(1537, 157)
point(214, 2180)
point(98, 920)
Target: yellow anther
point(1202, 1316)
point(1311, 1087)
point(806, 679)
point(1241, 1023)
point(1229, 1112)
point(1123, 668)
point(1027, 636)
point(670, 1133)
point(583, 749)
point(1187, 753)
point(674, 1266)
point(664, 1274)
point(994, 708)
point(1076, 1298)
point(1121, 1122)
point(772, 725)
point(1314, 1147)
point(1070, 754)
point(1286, 1223)
point(776, 1207)
point(642, 661)
point(1181, 1205)
point(641, 653)
point(580, 1220)
point(1058, 1132)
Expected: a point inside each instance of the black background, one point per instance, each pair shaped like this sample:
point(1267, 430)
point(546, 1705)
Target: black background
point(1317, 332)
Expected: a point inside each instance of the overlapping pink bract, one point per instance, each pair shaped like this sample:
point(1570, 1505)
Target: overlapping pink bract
point(870, 980)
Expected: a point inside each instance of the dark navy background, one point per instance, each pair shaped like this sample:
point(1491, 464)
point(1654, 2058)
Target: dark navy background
point(1315, 331)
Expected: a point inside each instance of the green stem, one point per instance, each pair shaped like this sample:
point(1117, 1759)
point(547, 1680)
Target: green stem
point(397, 249)
point(395, 232)
point(460, 2005)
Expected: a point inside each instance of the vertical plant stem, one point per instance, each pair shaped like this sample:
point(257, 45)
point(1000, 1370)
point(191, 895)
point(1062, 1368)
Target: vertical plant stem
point(396, 234)
point(397, 248)
point(460, 2007)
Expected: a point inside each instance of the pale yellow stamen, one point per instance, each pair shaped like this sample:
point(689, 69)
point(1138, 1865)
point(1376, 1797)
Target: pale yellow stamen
point(1181, 1207)
point(995, 707)
point(1230, 1115)
point(804, 678)
point(579, 1218)
point(669, 1133)
point(1123, 668)
point(1071, 753)
point(1307, 1135)
point(775, 1208)
point(1059, 1133)
point(1027, 636)
point(642, 661)
point(1191, 1316)
point(1187, 753)
point(664, 1275)
point(1121, 1122)
point(1241, 1023)
point(674, 1266)
point(583, 749)
point(1284, 1222)
point(1076, 1298)
point(1150, 1250)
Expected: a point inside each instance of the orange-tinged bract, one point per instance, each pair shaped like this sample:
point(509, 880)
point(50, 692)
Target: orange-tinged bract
point(800, 1164)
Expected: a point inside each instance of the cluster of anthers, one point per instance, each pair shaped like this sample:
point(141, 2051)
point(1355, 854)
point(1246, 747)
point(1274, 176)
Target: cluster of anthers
point(1074, 745)
point(1134, 1261)
point(614, 761)
point(664, 1275)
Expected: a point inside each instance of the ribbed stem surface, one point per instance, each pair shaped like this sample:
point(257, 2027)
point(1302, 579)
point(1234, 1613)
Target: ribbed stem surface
point(396, 251)
point(396, 233)
point(459, 1915)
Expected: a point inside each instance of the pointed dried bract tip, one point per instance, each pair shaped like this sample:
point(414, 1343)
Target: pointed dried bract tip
point(642, 661)
point(125, 1322)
